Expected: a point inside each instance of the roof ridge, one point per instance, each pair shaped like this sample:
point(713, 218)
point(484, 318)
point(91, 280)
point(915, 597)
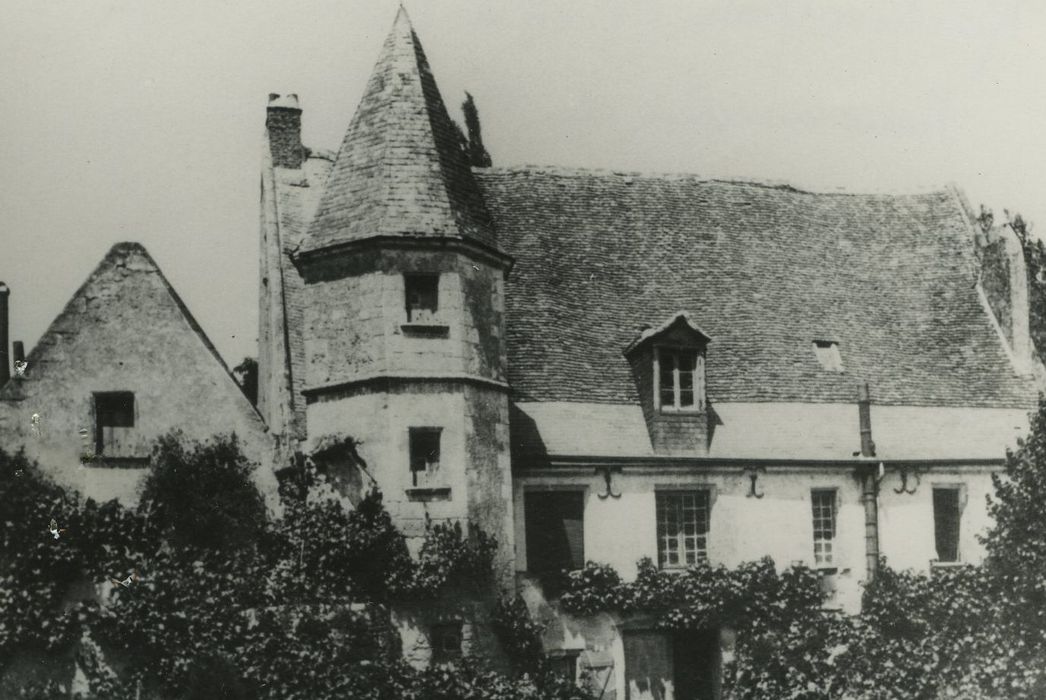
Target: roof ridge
point(768, 183)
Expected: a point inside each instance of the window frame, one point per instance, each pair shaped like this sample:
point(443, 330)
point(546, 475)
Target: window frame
point(431, 468)
point(829, 355)
point(531, 490)
point(410, 279)
point(96, 398)
point(829, 561)
point(702, 556)
point(697, 384)
point(960, 506)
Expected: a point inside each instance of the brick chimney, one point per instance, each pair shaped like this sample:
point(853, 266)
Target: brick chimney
point(283, 123)
point(5, 366)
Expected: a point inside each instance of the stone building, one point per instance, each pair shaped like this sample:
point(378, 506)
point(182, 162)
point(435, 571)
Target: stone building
point(589, 365)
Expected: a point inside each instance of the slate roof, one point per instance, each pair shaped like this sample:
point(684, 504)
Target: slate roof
point(402, 167)
point(764, 270)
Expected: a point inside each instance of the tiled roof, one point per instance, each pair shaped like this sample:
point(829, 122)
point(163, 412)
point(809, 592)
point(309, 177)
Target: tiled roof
point(764, 270)
point(402, 167)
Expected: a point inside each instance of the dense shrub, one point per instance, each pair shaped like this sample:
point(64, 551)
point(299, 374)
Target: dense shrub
point(289, 608)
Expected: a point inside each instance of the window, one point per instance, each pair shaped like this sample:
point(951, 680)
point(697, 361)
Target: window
point(563, 663)
point(113, 423)
point(823, 501)
point(682, 528)
point(424, 454)
point(422, 297)
point(827, 352)
point(554, 522)
point(946, 511)
point(446, 642)
point(681, 380)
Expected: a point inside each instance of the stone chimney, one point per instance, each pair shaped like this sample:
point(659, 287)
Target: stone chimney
point(5, 365)
point(283, 123)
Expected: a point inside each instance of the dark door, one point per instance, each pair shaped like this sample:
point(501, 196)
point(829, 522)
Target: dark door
point(695, 661)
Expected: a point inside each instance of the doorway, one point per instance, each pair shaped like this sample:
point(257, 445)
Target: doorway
point(671, 665)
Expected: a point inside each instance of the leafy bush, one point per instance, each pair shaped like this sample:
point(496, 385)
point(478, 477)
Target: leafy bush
point(202, 495)
point(291, 608)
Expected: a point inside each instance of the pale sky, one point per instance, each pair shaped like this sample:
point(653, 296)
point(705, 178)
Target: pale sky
point(142, 119)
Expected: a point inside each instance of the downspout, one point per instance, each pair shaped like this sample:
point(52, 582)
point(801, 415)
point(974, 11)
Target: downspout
point(869, 483)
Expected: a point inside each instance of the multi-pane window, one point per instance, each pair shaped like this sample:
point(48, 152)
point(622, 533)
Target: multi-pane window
point(113, 423)
point(682, 527)
point(424, 454)
point(421, 294)
point(681, 379)
point(946, 514)
point(823, 501)
point(446, 642)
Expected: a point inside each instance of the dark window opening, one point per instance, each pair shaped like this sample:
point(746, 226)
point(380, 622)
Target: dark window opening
point(422, 297)
point(682, 528)
point(946, 523)
point(113, 419)
point(424, 454)
point(554, 522)
point(563, 663)
point(446, 642)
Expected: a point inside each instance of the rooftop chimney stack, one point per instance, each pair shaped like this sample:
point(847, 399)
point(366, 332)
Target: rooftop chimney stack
point(18, 351)
point(283, 123)
point(5, 365)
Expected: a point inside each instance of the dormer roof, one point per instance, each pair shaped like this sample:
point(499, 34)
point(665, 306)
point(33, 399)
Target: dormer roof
point(681, 323)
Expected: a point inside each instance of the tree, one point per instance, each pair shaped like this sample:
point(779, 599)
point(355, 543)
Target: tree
point(202, 495)
point(1016, 541)
point(478, 156)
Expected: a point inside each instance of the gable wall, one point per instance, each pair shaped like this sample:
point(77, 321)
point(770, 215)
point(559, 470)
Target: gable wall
point(124, 332)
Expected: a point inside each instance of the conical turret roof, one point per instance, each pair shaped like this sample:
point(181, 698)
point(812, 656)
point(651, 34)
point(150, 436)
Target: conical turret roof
point(402, 168)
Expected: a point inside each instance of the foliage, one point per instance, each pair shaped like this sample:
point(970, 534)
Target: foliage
point(202, 495)
point(290, 608)
point(918, 636)
point(477, 152)
point(519, 635)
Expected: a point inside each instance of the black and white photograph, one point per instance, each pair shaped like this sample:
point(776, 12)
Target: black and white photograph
point(522, 350)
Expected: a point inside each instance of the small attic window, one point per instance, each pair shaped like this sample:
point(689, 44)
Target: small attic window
point(827, 352)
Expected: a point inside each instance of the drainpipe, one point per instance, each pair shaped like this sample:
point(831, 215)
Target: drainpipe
point(869, 483)
point(5, 369)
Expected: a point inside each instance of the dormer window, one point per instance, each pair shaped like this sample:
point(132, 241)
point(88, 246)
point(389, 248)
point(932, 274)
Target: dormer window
point(421, 294)
point(681, 379)
point(827, 352)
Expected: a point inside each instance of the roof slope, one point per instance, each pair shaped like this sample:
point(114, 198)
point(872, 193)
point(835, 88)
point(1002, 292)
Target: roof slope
point(402, 168)
point(764, 270)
